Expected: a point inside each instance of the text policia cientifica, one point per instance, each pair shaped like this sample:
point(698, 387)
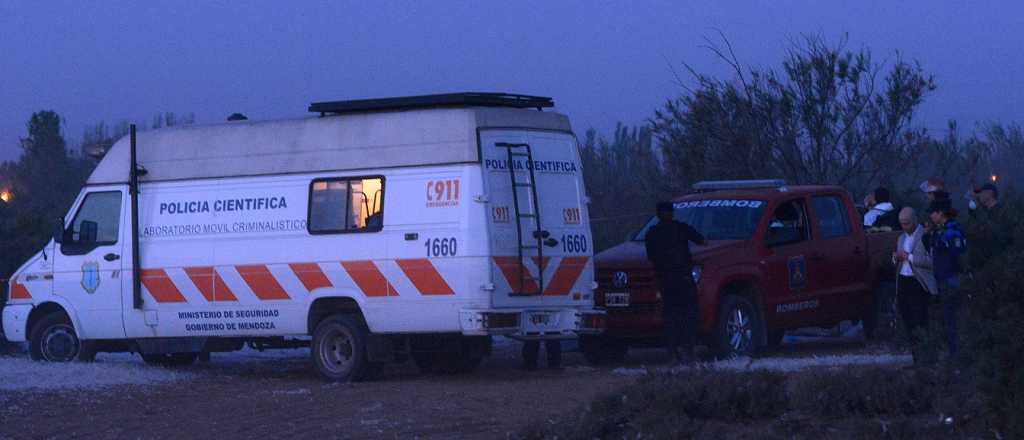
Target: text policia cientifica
point(223, 205)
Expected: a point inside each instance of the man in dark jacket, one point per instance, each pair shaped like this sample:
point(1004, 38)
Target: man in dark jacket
point(948, 246)
point(989, 228)
point(668, 248)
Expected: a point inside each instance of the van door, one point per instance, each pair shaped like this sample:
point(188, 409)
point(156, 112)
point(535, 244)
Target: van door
point(87, 265)
point(540, 241)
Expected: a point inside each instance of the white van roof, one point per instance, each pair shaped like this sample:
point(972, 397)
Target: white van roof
point(328, 143)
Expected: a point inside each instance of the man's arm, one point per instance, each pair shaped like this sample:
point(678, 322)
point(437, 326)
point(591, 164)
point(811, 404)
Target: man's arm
point(649, 244)
point(693, 235)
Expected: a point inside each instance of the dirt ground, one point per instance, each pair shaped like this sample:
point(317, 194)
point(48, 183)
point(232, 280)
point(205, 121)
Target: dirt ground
point(281, 396)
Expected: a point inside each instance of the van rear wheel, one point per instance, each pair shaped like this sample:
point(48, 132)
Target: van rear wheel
point(339, 348)
point(53, 339)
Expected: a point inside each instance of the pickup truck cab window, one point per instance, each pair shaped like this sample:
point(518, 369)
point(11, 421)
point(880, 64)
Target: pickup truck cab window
point(832, 217)
point(788, 224)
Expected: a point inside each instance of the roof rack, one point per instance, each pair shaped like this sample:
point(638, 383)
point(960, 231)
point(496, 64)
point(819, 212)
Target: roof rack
point(716, 185)
point(469, 99)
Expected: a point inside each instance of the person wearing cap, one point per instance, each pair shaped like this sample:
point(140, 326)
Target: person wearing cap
point(948, 246)
point(881, 212)
point(915, 282)
point(990, 232)
point(668, 249)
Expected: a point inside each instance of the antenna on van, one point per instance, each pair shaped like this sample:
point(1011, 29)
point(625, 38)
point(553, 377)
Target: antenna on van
point(133, 190)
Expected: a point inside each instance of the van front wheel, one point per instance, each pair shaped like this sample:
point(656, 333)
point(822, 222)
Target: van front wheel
point(339, 348)
point(54, 339)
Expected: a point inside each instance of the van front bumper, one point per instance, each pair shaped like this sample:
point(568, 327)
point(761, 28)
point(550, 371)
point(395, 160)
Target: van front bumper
point(532, 323)
point(15, 318)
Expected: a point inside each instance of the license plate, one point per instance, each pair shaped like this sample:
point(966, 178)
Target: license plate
point(616, 299)
point(540, 318)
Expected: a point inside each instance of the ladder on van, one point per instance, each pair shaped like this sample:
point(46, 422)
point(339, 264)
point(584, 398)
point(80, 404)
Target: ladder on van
point(531, 214)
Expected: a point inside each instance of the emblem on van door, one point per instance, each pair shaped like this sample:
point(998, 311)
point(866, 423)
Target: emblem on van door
point(90, 276)
point(620, 280)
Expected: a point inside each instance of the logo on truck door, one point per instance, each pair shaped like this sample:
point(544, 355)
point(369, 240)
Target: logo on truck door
point(797, 273)
point(90, 276)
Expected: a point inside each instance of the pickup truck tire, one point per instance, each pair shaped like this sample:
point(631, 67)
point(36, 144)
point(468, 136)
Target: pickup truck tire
point(602, 350)
point(53, 339)
point(170, 360)
point(880, 318)
point(739, 329)
point(339, 348)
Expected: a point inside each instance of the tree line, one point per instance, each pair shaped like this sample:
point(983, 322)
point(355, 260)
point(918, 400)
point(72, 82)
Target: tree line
point(43, 182)
point(827, 115)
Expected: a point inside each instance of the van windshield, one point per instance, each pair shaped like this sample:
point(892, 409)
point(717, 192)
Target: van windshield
point(716, 219)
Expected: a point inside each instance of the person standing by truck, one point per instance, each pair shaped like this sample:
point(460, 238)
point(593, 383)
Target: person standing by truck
point(668, 248)
point(947, 246)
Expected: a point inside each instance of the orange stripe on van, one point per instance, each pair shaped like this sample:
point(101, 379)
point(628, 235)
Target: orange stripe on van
point(368, 278)
point(425, 276)
point(512, 267)
point(210, 284)
point(19, 291)
point(542, 263)
point(565, 276)
point(311, 276)
point(160, 286)
point(262, 282)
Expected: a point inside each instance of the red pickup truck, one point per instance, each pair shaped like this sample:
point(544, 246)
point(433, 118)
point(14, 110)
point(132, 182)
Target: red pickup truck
point(778, 257)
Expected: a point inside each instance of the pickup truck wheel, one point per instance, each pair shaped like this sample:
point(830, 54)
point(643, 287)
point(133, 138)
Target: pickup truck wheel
point(339, 348)
point(880, 318)
point(54, 339)
point(170, 360)
point(601, 350)
point(739, 327)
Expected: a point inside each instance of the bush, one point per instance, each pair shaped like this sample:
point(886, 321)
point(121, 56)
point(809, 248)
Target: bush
point(874, 402)
point(865, 392)
point(994, 322)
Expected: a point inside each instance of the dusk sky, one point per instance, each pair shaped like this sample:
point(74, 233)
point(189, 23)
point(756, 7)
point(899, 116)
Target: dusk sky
point(602, 62)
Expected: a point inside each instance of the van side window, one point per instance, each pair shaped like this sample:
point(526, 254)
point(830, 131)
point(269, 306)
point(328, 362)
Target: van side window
point(832, 218)
point(96, 223)
point(346, 205)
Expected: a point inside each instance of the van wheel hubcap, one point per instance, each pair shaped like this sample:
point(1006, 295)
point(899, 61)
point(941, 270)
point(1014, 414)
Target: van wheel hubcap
point(60, 344)
point(337, 352)
point(739, 330)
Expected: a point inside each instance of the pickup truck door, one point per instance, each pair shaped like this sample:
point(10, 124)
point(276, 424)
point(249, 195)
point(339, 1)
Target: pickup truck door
point(790, 296)
point(840, 255)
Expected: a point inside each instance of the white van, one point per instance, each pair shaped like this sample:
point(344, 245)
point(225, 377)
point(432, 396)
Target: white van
point(378, 230)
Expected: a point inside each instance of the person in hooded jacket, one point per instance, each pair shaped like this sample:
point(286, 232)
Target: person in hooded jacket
point(948, 246)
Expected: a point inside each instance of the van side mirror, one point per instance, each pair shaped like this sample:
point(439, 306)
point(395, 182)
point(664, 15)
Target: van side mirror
point(87, 232)
point(58, 230)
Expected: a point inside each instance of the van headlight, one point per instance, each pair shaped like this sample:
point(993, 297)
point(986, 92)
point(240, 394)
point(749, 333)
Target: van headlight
point(697, 271)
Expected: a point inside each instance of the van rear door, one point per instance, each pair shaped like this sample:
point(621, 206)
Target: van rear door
point(539, 228)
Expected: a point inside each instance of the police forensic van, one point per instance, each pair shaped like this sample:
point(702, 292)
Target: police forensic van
point(376, 231)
